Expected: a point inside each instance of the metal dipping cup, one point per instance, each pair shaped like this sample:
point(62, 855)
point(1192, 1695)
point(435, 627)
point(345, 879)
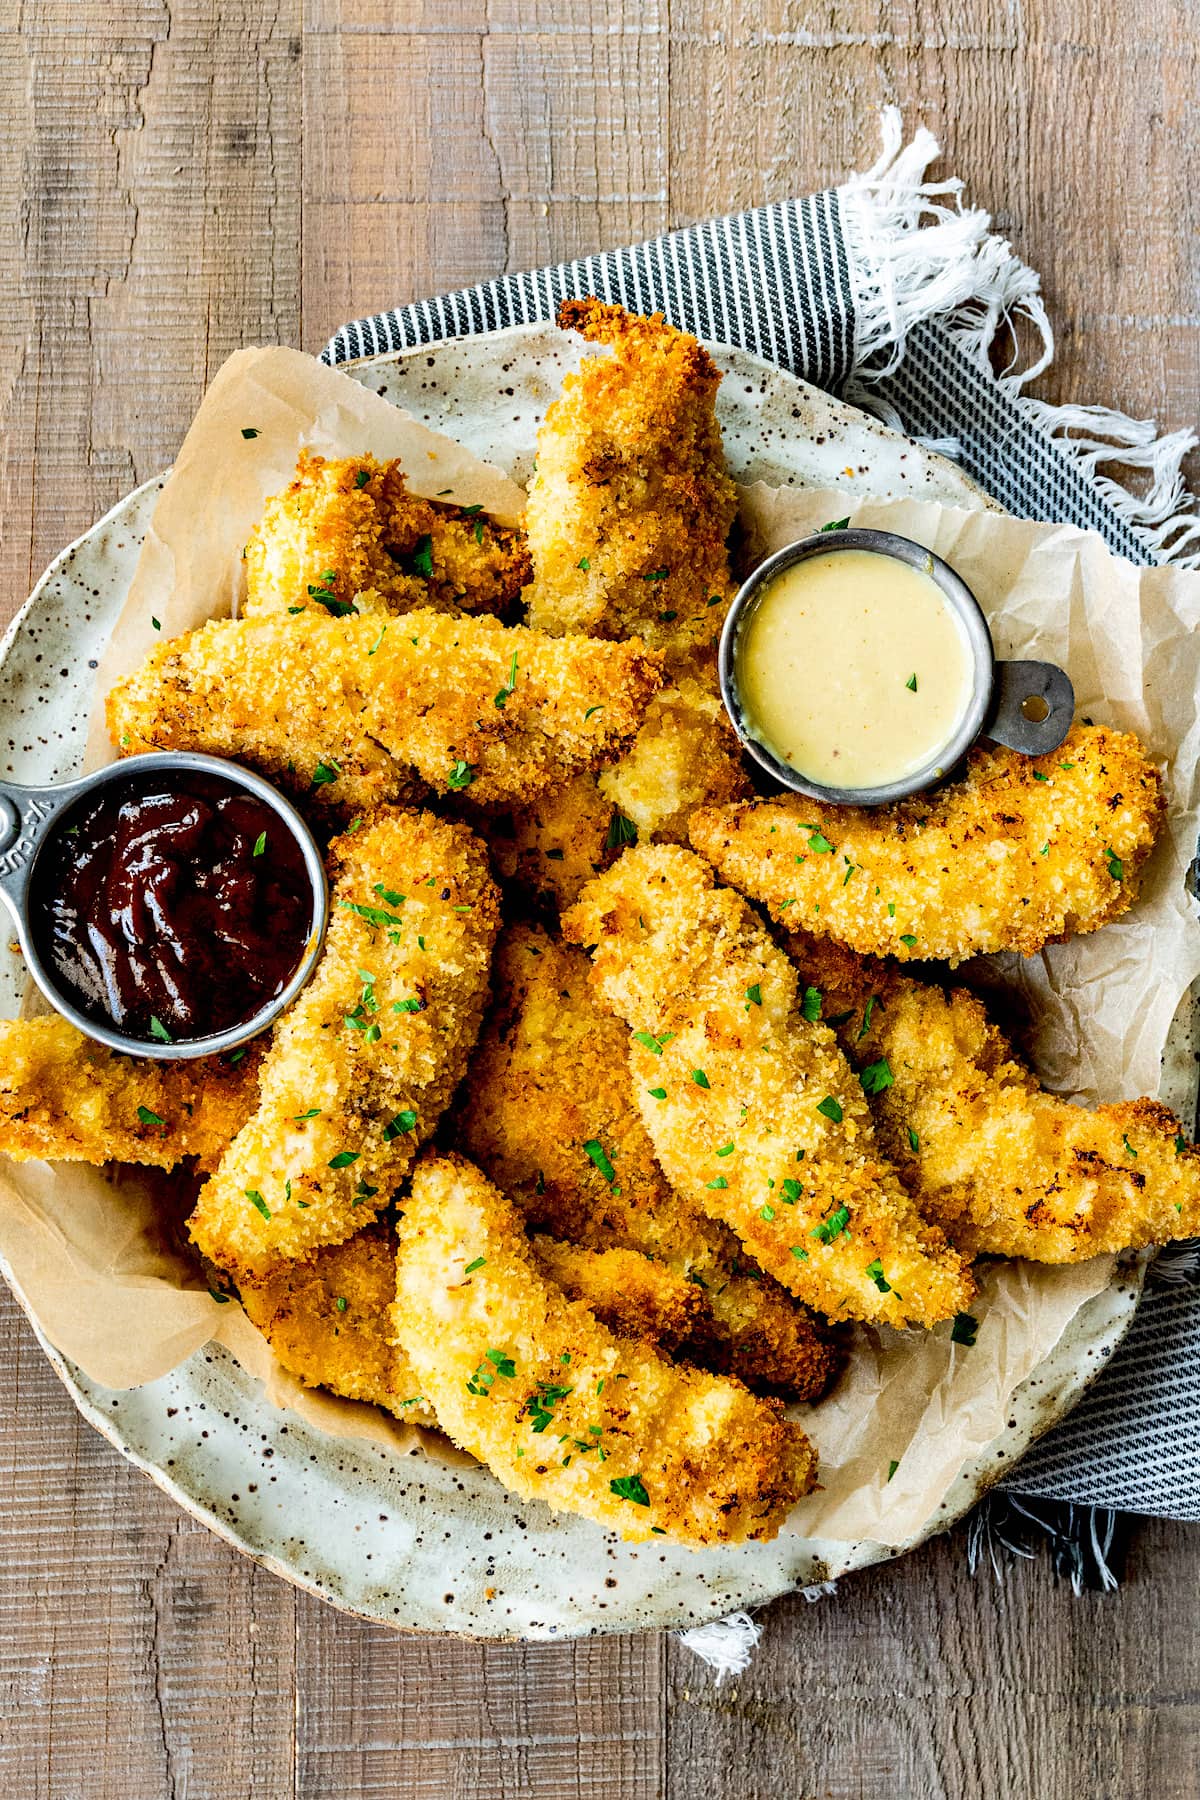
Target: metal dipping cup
point(31, 817)
point(1027, 706)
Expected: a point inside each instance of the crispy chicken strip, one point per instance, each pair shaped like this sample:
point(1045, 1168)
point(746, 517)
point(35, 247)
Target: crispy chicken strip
point(631, 1294)
point(547, 1111)
point(559, 1408)
point(754, 1113)
point(342, 707)
point(631, 506)
point(1022, 852)
point(552, 845)
point(328, 1320)
point(348, 536)
point(363, 1065)
point(685, 756)
point(68, 1099)
point(1002, 1166)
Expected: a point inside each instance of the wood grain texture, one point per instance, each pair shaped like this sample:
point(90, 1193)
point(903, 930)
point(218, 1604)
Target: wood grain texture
point(183, 176)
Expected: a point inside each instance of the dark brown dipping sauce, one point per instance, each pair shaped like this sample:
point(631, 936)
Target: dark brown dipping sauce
point(154, 914)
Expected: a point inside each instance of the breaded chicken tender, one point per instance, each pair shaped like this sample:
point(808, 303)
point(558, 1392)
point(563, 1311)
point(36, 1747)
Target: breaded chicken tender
point(1023, 851)
point(552, 845)
point(65, 1098)
point(548, 1113)
point(631, 506)
point(753, 1111)
point(328, 1320)
point(343, 707)
point(361, 1068)
point(685, 756)
point(631, 1294)
point(1002, 1166)
point(559, 1408)
point(348, 536)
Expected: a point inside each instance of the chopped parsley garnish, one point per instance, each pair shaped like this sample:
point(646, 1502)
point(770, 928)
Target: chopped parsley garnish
point(326, 772)
point(831, 1108)
point(726, 1149)
point(836, 525)
point(477, 1264)
point(818, 841)
point(754, 994)
point(700, 1078)
point(583, 564)
point(388, 894)
point(1181, 1145)
point(326, 597)
point(374, 915)
point(595, 1152)
point(461, 776)
point(655, 1044)
point(1129, 1149)
point(314, 1112)
point(495, 1362)
point(593, 709)
point(1116, 867)
point(891, 909)
point(906, 937)
point(810, 1006)
point(256, 1200)
point(892, 1467)
point(149, 1118)
point(260, 844)
point(911, 684)
point(422, 557)
point(658, 1093)
point(343, 1159)
point(872, 1003)
point(791, 1190)
point(341, 1303)
point(540, 1404)
point(362, 478)
point(403, 1121)
point(250, 431)
point(503, 693)
point(877, 1076)
point(158, 1030)
point(914, 1142)
point(767, 1213)
point(363, 1192)
point(800, 1254)
point(832, 1226)
point(875, 1273)
point(964, 1329)
point(620, 831)
point(1045, 849)
point(1038, 776)
point(656, 575)
point(220, 1298)
point(719, 1183)
point(411, 1005)
point(632, 1488)
point(157, 624)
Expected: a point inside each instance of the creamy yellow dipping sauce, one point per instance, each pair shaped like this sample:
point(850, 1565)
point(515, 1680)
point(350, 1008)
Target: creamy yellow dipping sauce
point(853, 669)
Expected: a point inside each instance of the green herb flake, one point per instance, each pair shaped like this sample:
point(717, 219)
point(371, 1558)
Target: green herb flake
point(819, 842)
point(700, 1078)
point(621, 831)
point(1116, 867)
point(877, 1076)
point(260, 844)
point(584, 564)
point(719, 1183)
point(250, 431)
point(422, 557)
point(1181, 1145)
point(593, 709)
point(159, 1031)
point(767, 1213)
point(343, 1159)
point(1038, 776)
point(892, 1467)
point(149, 1118)
point(868, 1012)
point(800, 1254)
point(501, 699)
point(836, 525)
point(314, 1112)
point(326, 772)
point(656, 575)
point(726, 1149)
point(810, 1006)
point(220, 1298)
point(875, 1273)
point(658, 1093)
point(403, 1122)
point(1045, 849)
point(832, 1226)
point(461, 776)
point(914, 1142)
point(906, 937)
point(341, 1303)
point(648, 1041)
point(831, 1109)
point(754, 994)
point(631, 1488)
point(595, 1152)
point(964, 1329)
point(791, 1190)
point(479, 1263)
point(256, 1200)
point(911, 683)
point(157, 624)
point(1129, 1149)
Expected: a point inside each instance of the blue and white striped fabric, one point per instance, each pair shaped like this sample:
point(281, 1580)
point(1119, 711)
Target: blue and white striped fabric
point(781, 281)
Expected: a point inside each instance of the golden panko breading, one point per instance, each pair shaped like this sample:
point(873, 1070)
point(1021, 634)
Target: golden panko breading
point(343, 706)
point(686, 755)
point(628, 1292)
point(551, 845)
point(348, 536)
point(328, 1320)
point(1002, 1166)
point(754, 1113)
point(630, 508)
point(67, 1099)
point(1021, 852)
point(361, 1068)
point(547, 1112)
point(556, 1405)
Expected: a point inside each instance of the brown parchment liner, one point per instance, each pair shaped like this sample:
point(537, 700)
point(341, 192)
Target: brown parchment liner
point(86, 1246)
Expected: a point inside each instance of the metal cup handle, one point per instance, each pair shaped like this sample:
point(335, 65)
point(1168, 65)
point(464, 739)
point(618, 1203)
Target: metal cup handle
point(1032, 709)
point(26, 814)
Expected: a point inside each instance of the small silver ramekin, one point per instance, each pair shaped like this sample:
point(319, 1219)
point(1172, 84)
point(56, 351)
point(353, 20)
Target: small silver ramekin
point(29, 819)
point(1027, 706)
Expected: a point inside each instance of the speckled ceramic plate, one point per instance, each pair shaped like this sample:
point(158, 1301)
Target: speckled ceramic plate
point(406, 1540)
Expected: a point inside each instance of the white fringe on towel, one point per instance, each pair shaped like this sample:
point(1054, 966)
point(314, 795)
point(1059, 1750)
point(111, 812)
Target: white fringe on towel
point(918, 253)
point(728, 1644)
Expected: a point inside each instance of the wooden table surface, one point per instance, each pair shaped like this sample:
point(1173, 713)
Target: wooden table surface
point(182, 177)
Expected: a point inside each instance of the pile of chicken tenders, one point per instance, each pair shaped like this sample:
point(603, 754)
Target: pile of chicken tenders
point(612, 1101)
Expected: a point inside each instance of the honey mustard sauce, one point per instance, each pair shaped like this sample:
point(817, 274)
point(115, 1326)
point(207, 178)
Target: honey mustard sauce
point(853, 668)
